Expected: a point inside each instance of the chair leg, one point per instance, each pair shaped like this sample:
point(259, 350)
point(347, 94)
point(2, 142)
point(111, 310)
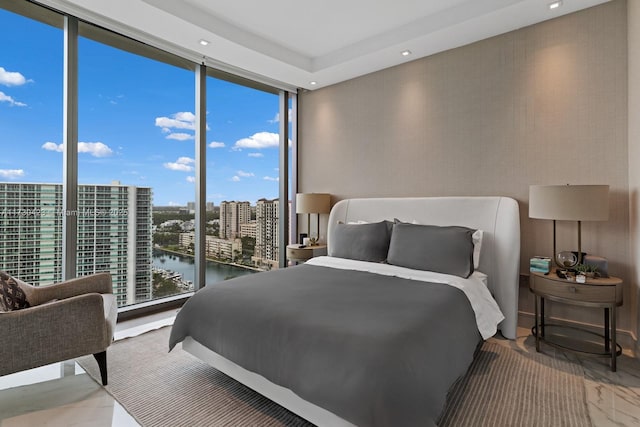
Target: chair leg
point(101, 358)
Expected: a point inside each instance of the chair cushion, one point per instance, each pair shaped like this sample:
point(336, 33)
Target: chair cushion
point(12, 297)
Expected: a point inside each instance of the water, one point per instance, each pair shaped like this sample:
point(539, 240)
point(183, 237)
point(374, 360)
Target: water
point(215, 272)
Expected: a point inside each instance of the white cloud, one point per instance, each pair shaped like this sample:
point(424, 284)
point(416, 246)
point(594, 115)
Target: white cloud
point(259, 140)
point(245, 174)
point(11, 101)
point(215, 144)
point(256, 155)
point(52, 146)
point(180, 136)
point(181, 120)
point(11, 78)
point(96, 149)
point(183, 164)
point(235, 178)
point(11, 173)
point(184, 120)
point(276, 119)
point(191, 178)
point(271, 178)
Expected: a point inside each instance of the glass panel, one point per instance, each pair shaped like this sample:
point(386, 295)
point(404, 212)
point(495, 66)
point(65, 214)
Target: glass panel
point(135, 166)
point(31, 123)
point(242, 179)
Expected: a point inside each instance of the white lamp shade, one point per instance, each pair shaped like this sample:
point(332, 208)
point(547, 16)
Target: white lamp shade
point(317, 203)
point(569, 202)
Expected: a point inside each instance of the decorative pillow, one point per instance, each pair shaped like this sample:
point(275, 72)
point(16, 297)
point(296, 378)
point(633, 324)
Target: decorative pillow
point(446, 250)
point(12, 297)
point(363, 242)
point(476, 238)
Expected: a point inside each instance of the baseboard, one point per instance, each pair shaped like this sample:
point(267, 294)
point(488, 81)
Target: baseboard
point(626, 339)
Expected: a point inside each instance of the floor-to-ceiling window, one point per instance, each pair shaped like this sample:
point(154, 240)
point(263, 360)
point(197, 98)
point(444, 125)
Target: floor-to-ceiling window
point(242, 173)
point(31, 131)
point(135, 157)
point(136, 161)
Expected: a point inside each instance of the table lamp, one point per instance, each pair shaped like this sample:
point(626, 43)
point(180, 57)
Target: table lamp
point(313, 203)
point(569, 203)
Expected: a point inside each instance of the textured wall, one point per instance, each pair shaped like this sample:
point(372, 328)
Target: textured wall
point(545, 104)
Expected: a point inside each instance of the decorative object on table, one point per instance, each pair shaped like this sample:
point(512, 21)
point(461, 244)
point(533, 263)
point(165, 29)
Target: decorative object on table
point(567, 259)
point(313, 241)
point(313, 203)
point(586, 271)
point(569, 203)
point(540, 264)
point(601, 263)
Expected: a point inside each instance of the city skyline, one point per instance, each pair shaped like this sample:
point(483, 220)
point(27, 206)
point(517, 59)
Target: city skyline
point(136, 121)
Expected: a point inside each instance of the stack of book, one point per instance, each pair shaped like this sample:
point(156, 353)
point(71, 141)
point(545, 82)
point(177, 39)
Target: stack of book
point(540, 264)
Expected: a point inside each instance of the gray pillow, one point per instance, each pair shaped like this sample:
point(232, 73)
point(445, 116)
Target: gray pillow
point(363, 242)
point(446, 250)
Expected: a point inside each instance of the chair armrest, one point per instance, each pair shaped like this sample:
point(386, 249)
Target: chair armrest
point(53, 332)
point(99, 283)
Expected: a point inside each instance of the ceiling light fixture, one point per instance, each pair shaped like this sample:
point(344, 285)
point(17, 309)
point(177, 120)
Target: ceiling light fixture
point(204, 42)
point(313, 83)
point(555, 4)
point(406, 52)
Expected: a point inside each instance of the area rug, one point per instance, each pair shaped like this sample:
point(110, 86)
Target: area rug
point(504, 387)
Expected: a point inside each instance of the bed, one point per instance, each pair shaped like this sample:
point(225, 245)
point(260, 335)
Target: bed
point(345, 340)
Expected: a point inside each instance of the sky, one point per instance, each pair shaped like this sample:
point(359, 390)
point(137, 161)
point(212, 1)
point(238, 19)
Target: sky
point(135, 121)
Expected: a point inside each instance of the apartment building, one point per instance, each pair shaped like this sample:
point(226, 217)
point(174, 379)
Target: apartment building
point(232, 215)
point(267, 241)
point(114, 234)
point(214, 247)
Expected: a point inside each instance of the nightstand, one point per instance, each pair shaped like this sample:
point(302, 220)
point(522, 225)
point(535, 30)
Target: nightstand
point(298, 254)
point(603, 293)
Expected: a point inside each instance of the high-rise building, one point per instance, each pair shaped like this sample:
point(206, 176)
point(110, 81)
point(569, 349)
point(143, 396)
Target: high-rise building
point(114, 235)
point(267, 241)
point(232, 215)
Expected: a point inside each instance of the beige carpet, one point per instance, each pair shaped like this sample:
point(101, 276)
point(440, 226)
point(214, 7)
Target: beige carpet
point(504, 387)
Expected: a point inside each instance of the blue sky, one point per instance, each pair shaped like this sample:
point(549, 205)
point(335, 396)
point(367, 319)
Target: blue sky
point(135, 121)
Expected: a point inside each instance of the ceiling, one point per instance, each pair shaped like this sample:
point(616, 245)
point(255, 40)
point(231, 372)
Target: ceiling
point(291, 43)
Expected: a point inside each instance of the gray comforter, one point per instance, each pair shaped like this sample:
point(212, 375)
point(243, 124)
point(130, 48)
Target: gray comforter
point(374, 350)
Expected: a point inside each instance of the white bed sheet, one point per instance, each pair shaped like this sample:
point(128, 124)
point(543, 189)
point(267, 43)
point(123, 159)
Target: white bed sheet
point(487, 312)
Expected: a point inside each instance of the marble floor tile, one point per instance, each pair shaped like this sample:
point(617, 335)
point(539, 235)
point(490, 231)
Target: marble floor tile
point(613, 398)
point(74, 400)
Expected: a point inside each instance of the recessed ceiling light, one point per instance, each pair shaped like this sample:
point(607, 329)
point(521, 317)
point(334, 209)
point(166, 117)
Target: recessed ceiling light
point(313, 83)
point(555, 4)
point(204, 42)
point(406, 52)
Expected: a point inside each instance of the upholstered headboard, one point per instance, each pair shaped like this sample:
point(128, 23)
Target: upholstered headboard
point(497, 217)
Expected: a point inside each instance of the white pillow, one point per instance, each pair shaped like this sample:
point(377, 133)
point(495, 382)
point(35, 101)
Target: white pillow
point(476, 237)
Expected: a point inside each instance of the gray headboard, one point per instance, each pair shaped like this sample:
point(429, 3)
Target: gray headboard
point(497, 217)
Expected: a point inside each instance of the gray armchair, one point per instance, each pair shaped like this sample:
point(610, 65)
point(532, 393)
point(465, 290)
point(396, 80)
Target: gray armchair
point(66, 320)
